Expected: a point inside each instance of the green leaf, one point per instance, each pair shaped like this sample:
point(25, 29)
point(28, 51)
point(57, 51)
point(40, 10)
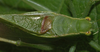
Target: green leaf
point(7, 10)
point(95, 45)
point(58, 6)
point(16, 4)
point(72, 49)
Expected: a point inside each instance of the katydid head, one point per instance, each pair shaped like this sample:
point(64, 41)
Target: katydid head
point(88, 26)
point(94, 28)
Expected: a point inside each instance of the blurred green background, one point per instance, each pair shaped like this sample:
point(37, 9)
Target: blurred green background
point(74, 8)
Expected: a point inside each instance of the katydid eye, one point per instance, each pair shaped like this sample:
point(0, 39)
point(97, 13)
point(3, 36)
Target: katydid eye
point(88, 18)
point(88, 33)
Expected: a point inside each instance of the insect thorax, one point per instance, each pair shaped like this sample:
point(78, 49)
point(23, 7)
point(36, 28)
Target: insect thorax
point(64, 25)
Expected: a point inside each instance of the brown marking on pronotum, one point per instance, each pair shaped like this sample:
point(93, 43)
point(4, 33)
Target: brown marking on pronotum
point(46, 25)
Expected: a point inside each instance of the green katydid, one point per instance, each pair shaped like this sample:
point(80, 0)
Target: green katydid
point(48, 25)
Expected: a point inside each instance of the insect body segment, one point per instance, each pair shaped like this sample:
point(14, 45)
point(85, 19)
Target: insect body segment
point(64, 26)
